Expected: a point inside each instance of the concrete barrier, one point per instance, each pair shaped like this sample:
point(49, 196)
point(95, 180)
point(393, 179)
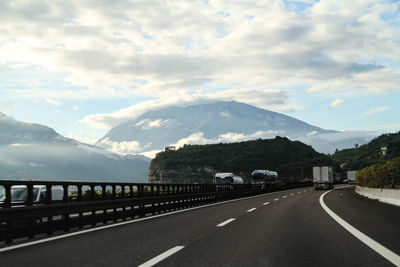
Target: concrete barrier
point(390, 196)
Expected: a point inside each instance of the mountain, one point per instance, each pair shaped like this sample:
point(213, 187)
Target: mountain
point(31, 151)
point(292, 160)
point(370, 153)
point(220, 122)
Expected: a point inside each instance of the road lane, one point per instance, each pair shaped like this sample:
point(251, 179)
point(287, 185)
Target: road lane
point(133, 244)
point(293, 232)
point(377, 220)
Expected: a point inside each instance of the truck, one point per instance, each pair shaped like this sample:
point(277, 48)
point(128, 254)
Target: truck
point(264, 177)
point(323, 177)
point(227, 178)
point(19, 194)
point(351, 177)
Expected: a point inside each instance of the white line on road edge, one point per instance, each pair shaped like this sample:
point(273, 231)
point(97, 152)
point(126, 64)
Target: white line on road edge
point(128, 222)
point(250, 210)
point(383, 251)
point(266, 203)
point(226, 222)
point(161, 257)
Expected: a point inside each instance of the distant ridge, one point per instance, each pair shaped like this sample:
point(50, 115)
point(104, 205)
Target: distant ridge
point(225, 121)
point(30, 151)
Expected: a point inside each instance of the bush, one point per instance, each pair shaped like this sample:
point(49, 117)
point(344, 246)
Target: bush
point(383, 175)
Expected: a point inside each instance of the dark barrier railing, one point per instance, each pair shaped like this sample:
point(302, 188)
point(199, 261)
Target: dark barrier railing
point(34, 208)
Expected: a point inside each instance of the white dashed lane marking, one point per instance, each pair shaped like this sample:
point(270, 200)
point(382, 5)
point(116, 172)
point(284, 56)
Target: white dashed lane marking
point(226, 222)
point(250, 210)
point(161, 257)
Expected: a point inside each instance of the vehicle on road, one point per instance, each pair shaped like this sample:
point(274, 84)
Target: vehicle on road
point(19, 194)
point(227, 178)
point(323, 177)
point(351, 177)
point(264, 177)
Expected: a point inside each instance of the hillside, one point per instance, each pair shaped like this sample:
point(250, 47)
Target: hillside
point(30, 151)
point(199, 163)
point(369, 154)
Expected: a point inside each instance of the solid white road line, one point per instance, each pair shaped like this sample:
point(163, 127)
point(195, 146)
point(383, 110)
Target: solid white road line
point(250, 210)
point(161, 257)
point(266, 203)
point(127, 222)
point(226, 222)
point(383, 251)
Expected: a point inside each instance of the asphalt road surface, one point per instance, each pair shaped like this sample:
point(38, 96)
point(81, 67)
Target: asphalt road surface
point(287, 228)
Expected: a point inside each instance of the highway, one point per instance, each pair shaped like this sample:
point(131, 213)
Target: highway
point(286, 228)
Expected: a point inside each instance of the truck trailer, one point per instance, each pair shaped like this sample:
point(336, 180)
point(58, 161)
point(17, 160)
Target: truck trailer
point(227, 178)
point(323, 177)
point(351, 177)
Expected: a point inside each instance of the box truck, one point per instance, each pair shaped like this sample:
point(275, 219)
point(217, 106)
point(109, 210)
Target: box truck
point(351, 177)
point(323, 177)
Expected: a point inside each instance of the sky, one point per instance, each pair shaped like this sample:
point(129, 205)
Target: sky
point(83, 67)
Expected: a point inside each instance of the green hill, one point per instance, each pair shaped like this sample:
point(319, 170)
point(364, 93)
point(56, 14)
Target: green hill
point(199, 163)
point(369, 154)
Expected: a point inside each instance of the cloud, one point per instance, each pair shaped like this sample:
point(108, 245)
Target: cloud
point(142, 48)
point(147, 124)
point(125, 147)
point(375, 110)
point(379, 81)
point(337, 103)
point(52, 102)
point(269, 99)
point(198, 138)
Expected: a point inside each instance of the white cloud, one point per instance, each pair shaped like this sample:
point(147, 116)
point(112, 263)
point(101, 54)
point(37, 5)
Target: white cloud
point(312, 133)
point(375, 110)
point(119, 50)
point(379, 81)
point(52, 102)
point(225, 114)
point(269, 99)
point(125, 147)
point(337, 103)
point(147, 124)
point(198, 138)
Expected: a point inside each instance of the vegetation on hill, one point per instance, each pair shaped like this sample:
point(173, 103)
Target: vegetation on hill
point(380, 175)
point(199, 163)
point(369, 154)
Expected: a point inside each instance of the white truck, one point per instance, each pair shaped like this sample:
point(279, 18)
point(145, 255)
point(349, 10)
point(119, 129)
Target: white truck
point(227, 178)
point(19, 194)
point(351, 177)
point(323, 177)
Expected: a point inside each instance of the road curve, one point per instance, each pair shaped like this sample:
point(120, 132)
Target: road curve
point(287, 228)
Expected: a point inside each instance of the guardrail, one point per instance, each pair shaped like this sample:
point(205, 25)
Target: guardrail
point(89, 204)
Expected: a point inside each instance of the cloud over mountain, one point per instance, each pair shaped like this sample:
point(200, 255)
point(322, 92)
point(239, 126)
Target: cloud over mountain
point(33, 151)
point(218, 122)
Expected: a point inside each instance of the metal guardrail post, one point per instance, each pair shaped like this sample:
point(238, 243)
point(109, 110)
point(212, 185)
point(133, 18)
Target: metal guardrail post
point(7, 201)
point(29, 200)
